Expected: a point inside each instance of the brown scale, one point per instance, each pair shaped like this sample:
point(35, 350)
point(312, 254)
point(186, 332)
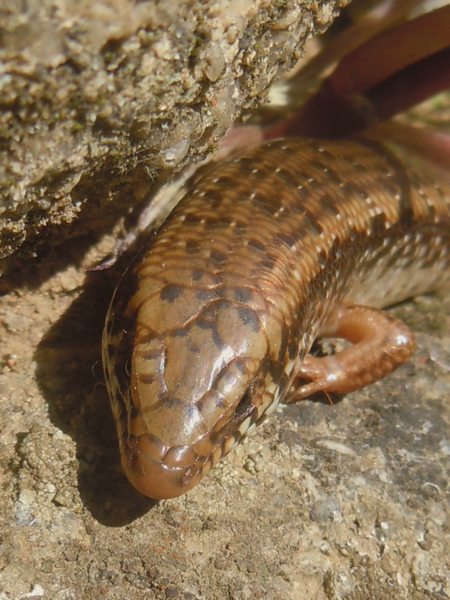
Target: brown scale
point(211, 326)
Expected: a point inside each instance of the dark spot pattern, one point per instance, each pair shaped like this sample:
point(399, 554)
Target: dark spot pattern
point(218, 258)
point(191, 219)
point(255, 244)
point(309, 222)
point(249, 318)
point(378, 223)
point(192, 246)
point(329, 205)
point(288, 178)
point(170, 293)
point(242, 295)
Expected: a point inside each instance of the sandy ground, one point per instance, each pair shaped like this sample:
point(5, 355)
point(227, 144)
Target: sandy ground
point(343, 501)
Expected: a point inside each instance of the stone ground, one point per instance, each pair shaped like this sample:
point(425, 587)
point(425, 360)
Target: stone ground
point(343, 501)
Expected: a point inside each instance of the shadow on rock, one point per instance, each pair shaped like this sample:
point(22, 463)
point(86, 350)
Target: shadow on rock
point(70, 375)
point(60, 245)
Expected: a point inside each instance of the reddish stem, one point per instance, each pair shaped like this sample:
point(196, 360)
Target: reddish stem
point(391, 51)
point(408, 64)
point(412, 86)
point(383, 16)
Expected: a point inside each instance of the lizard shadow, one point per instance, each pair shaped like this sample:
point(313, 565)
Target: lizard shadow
point(70, 376)
point(59, 245)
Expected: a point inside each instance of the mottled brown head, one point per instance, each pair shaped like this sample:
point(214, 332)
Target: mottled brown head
point(189, 370)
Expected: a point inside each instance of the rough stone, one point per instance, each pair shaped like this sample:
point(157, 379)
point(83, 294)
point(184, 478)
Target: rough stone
point(100, 98)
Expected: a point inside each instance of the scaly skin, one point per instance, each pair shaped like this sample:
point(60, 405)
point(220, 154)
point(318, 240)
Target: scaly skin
point(209, 326)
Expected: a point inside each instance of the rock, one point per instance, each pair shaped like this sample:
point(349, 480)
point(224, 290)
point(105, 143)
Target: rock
point(98, 99)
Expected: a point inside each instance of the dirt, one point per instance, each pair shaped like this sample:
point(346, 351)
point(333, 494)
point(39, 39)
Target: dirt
point(325, 501)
